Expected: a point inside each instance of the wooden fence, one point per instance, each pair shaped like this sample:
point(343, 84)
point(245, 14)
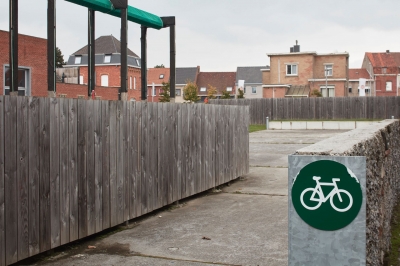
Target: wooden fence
point(318, 108)
point(70, 168)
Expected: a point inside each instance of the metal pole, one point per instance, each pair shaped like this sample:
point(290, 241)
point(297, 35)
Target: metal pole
point(267, 123)
point(124, 51)
point(172, 59)
point(91, 52)
point(13, 35)
point(144, 62)
point(51, 47)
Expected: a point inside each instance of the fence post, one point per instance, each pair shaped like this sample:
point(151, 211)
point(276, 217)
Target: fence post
point(267, 123)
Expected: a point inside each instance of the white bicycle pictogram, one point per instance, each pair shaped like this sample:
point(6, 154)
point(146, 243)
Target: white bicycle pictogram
point(317, 191)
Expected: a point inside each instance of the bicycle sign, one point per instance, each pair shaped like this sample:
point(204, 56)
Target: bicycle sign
point(326, 195)
point(317, 195)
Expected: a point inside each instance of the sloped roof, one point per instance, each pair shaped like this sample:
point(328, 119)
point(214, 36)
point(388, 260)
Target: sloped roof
point(357, 73)
point(220, 80)
point(105, 45)
point(153, 75)
point(251, 74)
point(185, 74)
point(298, 91)
point(384, 59)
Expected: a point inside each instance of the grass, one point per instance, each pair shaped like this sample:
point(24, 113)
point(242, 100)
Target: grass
point(395, 240)
point(254, 128)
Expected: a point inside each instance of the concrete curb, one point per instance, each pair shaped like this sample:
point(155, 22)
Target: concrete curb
point(339, 125)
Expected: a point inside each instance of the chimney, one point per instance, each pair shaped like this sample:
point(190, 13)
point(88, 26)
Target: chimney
point(387, 51)
point(295, 49)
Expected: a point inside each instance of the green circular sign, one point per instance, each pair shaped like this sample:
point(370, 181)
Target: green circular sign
point(327, 195)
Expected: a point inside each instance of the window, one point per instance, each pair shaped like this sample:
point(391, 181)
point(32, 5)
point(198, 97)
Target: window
point(23, 81)
point(78, 59)
point(203, 89)
point(161, 76)
point(244, 90)
point(130, 83)
point(328, 70)
point(81, 79)
point(177, 92)
point(253, 89)
point(291, 70)
point(104, 80)
point(388, 86)
point(134, 83)
point(328, 91)
point(228, 88)
point(107, 58)
point(137, 62)
point(350, 90)
point(384, 70)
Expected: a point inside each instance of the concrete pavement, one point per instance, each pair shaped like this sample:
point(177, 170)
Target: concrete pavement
point(244, 223)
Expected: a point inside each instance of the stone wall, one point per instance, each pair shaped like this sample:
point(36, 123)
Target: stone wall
point(380, 144)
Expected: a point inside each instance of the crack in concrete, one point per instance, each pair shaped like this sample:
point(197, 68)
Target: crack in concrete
point(183, 260)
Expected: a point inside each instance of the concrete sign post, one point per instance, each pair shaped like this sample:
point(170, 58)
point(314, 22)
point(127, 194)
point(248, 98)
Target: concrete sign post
point(327, 211)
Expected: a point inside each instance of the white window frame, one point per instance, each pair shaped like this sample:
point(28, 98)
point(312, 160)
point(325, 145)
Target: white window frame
point(329, 91)
point(134, 83)
point(130, 82)
point(328, 70)
point(107, 59)
point(228, 88)
point(161, 76)
point(81, 80)
point(254, 90)
point(291, 69)
point(103, 82)
point(137, 62)
point(203, 89)
point(78, 59)
point(178, 92)
point(28, 79)
point(390, 87)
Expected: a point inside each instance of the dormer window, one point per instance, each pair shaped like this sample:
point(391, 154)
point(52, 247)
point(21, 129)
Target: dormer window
point(78, 59)
point(161, 76)
point(107, 58)
point(137, 62)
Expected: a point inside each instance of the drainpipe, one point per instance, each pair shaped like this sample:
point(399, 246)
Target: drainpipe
point(51, 48)
point(144, 62)
point(13, 35)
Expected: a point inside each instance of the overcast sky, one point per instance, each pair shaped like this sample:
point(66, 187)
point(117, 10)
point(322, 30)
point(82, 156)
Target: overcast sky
point(219, 35)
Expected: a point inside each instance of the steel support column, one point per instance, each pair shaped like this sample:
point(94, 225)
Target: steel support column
point(143, 41)
point(51, 45)
point(91, 52)
point(124, 50)
point(170, 22)
point(13, 35)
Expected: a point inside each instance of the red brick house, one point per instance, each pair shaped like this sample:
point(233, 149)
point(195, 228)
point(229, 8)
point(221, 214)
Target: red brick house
point(155, 78)
point(385, 69)
point(108, 66)
point(222, 81)
point(32, 61)
point(297, 74)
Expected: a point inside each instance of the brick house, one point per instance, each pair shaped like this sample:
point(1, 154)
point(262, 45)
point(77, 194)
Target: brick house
point(184, 75)
point(253, 82)
point(155, 78)
point(354, 77)
point(222, 81)
point(32, 61)
point(108, 66)
point(296, 74)
point(385, 69)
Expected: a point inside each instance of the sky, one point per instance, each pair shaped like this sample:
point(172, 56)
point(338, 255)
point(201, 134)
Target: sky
point(220, 35)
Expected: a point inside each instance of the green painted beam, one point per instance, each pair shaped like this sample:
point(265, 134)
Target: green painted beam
point(134, 15)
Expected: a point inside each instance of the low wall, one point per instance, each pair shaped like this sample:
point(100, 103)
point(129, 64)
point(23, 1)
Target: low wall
point(380, 144)
point(339, 125)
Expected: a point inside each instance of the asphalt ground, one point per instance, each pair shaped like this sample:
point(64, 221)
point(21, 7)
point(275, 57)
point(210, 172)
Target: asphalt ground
point(241, 223)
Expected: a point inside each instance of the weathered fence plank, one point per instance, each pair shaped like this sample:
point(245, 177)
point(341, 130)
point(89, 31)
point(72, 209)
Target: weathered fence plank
point(33, 173)
point(98, 164)
point(105, 134)
point(127, 161)
point(90, 167)
point(22, 177)
point(73, 169)
point(81, 163)
point(64, 176)
point(2, 203)
point(113, 163)
point(10, 180)
point(144, 158)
